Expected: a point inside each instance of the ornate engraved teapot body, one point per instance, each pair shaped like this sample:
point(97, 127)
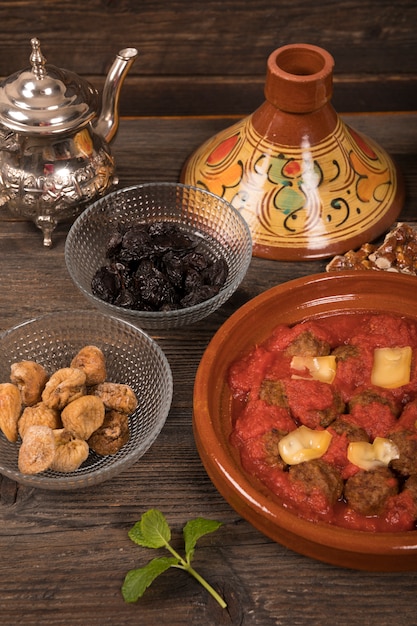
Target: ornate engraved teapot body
point(54, 140)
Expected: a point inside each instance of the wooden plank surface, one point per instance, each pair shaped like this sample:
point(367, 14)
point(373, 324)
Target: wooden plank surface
point(209, 57)
point(64, 554)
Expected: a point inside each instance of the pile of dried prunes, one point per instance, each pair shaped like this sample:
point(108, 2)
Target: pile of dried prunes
point(157, 267)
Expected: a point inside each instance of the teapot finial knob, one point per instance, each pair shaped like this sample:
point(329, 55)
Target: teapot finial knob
point(37, 59)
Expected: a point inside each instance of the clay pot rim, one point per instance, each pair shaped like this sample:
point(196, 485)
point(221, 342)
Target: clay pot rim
point(310, 51)
point(299, 78)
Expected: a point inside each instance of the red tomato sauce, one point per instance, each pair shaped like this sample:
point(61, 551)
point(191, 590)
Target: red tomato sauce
point(269, 402)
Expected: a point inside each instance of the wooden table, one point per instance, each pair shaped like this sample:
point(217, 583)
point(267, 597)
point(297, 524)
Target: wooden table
point(64, 555)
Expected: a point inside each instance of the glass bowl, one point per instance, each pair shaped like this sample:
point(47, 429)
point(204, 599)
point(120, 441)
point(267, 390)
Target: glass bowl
point(132, 358)
point(223, 232)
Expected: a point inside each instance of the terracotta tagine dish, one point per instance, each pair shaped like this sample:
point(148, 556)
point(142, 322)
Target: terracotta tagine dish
point(239, 438)
point(308, 185)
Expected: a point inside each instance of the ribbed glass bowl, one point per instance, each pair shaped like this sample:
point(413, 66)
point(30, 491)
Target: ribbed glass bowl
point(223, 231)
point(132, 358)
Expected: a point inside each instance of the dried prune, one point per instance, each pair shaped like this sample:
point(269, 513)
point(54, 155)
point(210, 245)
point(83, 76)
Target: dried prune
point(157, 267)
point(174, 268)
point(153, 287)
point(114, 244)
point(199, 294)
point(106, 282)
point(136, 245)
point(216, 273)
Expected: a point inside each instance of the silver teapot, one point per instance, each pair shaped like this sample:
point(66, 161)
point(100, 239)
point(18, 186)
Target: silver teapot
point(54, 136)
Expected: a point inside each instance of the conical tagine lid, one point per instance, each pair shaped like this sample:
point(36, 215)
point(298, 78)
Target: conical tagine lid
point(308, 185)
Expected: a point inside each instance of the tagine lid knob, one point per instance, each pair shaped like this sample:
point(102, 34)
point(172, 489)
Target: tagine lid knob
point(299, 83)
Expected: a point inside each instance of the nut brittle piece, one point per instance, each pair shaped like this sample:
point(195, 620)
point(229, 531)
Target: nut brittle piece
point(397, 253)
point(353, 259)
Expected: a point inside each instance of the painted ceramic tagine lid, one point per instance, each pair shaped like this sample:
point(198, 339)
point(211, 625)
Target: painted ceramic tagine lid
point(308, 185)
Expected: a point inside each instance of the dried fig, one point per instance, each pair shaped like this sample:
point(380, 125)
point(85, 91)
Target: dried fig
point(91, 360)
point(36, 415)
point(30, 377)
point(64, 386)
point(83, 416)
point(116, 397)
point(112, 434)
point(70, 451)
point(10, 410)
point(37, 450)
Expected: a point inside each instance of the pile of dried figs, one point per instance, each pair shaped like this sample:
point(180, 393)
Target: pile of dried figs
point(157, 267)
point(59, 418)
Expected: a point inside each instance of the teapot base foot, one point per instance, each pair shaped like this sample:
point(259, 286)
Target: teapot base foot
point(47, 224)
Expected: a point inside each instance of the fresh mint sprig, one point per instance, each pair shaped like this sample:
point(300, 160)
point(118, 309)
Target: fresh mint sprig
point(153, 531)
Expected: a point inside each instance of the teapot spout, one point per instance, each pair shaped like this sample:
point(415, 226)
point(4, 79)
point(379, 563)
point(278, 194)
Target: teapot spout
point(108, 120)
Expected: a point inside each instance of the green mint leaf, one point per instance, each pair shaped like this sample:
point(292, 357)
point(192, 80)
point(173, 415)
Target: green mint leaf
point(152, 531)
point(138, 580)
point(193, 530)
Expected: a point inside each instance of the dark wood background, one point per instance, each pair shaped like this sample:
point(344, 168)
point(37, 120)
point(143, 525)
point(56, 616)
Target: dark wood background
point(208, 57)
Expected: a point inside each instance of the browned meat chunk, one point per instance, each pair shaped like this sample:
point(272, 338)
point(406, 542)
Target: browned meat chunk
point(346, 352)
point(369, 396)
point(352, 431)
point(373, 412)
point(407, 447)
point(313, 403)
point(273, 392)
point(271, 441)
point(306, 344)
point(318, 475)
point(368, 492)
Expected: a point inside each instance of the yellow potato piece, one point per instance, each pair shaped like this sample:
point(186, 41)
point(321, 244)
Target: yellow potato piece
point(303, 444)
point(322, 368)
point(368, 456)
point(391, 367)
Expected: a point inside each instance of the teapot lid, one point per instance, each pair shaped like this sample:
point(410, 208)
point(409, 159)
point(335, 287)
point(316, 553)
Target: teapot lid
point(45, 99)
